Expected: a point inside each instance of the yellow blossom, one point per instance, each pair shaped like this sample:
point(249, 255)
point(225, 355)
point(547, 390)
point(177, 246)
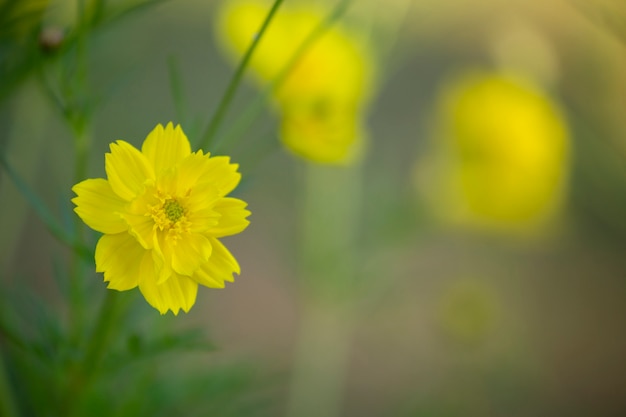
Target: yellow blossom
point(322, 99)
point(502, 154)
point(162, 211)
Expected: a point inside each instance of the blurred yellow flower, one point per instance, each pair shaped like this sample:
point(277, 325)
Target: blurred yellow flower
point(162, 210)
point(322, 99)
point(502, 156)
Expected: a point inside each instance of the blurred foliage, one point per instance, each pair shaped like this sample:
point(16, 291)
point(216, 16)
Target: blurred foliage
point(149, 369)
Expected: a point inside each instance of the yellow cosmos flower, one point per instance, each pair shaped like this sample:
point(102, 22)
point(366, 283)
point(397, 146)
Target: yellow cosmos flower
point(502, 157)
point(323, 98)
point(162, 210)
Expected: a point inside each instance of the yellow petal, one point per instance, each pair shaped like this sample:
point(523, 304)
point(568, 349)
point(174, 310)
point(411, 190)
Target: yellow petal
point(220, 267)
point(165, 148)
point(127, 170)
point(99, 207)
point(202, 277)
point(199, 169)
point(122, 259)
point(191, 169)
point(222, 174)
point(141, 225)
point(189, 252)
point(232, 219)
point(175, 293)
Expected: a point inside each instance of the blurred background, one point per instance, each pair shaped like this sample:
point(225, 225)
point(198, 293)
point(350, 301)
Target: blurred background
point(492, 205)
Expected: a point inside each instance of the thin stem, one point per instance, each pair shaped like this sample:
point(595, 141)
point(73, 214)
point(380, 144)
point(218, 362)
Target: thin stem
point(77, 301)
point(78, 119)
point(99, 341)
point(215, 122)
point(7, 403)
point(251, 113)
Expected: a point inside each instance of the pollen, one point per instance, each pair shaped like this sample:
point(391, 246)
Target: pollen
point(173, 210)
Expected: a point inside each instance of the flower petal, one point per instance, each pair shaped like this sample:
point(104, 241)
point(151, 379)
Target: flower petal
point(220, 267)
point(189, 252)
point(122, 260)
point(222, 173)
point(198, 169)
point(141, 224)
point(127, 170)
point(165, 148)
point(202, 277)
point(175, 293)
point(98, 206)
point(232, 219)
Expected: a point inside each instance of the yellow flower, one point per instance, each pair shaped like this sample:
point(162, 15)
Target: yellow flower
point(322, 130)
point(162, 210)
point(323, 98)
point(502, 157)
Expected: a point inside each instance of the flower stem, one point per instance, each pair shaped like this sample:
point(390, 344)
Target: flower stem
point(321, 361)
point(7, 404)
point(99, 339)
point(217, 118)
point(77, 302)
point(328, 283)
point(82, 376)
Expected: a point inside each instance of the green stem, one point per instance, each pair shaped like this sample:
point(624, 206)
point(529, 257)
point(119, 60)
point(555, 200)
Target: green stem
point(215, 122)
point(321, 361)
point(77, 267)
point(7, 403)
point(328, 283)
point(252, 112)
point(78, 120)
point(99, 341)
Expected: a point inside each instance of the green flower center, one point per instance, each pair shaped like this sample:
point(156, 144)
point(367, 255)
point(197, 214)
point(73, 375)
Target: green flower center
point(173, 210)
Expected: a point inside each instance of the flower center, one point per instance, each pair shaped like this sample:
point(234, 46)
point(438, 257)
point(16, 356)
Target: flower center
point(169, 216)
point(173, 210)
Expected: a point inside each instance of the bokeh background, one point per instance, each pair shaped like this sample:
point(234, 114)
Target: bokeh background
point(456, 320)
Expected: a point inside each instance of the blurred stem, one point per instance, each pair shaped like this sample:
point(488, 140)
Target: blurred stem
point(252, 112)
point(321, 363)
point(215, 122)
point(82, 144)
point(330, 215)
point(78, 120)
point(177, 90)
point(99, 341)
point(7, 404)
